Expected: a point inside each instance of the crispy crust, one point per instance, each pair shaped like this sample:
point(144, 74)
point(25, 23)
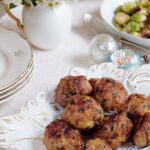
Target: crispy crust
point(115, 129)
point(138, 105)
point(70, 86)
point(109, 93)
point(97, 144)
point(59, 135)
point(142, 134)
point(83, 112)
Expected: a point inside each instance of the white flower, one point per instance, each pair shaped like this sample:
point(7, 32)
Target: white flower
point(14, 2)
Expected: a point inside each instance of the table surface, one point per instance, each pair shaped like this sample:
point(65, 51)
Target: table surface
point(50, 66)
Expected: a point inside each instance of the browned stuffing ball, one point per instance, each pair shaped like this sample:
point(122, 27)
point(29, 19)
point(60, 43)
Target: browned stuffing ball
point(97, 144)
point(60, 136)
point(83, 112)
point(115, 130)
point(109, 93)
point(142, 134)
point(70, 86)
point(138, 105)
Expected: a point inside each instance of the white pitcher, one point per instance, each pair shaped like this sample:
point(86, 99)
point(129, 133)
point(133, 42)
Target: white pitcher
point(45, 27)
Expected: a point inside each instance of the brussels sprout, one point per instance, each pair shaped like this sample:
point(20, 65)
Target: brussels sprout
point(138, 17)
point(122, 18)
point(120, 27)
point(133, 27)
point(130, 7)
point(144, 3)
point(143, 11)
point(119, 9)
point(142, 25)
point(135, 34)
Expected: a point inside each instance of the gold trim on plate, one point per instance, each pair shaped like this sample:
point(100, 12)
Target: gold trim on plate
point(32, 59)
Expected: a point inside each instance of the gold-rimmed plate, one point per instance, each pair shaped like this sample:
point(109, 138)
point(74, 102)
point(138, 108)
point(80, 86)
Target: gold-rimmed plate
point(15, 57)
point(16, 88)
point(41, 110)
point(17, 81)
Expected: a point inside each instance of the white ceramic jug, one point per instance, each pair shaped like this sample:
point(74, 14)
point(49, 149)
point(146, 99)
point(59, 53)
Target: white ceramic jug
point(45, 27)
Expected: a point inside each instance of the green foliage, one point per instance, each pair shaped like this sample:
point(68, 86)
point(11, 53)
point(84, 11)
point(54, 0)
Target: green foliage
point(34, 2)
point(50, 3)
point(11, 6)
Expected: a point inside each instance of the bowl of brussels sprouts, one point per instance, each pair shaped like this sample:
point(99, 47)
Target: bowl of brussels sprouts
point(128, 18)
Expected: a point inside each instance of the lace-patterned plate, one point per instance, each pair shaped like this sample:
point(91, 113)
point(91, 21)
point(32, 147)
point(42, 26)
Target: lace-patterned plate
point(137, 81)
point(24, 131)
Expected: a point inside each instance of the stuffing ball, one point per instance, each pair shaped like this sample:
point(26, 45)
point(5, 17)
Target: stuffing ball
point(115, 130)
point(142, 134)
point(138, 105)
point(60, 136)
point(109, 93)
point(70, 86)
point(97, 144)
point(83, 112)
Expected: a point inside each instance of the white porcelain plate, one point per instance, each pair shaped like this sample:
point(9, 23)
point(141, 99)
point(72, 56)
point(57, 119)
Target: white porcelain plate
point(16, 87)
point(4, 63)
point(24, 131)
point(137, 81)
point(15, 56)
point(17, 82)
point(11, 93)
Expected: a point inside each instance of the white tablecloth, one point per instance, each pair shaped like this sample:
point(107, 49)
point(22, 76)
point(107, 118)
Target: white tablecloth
point(50, 66)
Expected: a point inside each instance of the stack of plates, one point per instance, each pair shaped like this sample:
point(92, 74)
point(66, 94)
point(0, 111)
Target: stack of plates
point(16, 63)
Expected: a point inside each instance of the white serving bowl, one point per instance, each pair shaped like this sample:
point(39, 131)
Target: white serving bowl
point(107, 10)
